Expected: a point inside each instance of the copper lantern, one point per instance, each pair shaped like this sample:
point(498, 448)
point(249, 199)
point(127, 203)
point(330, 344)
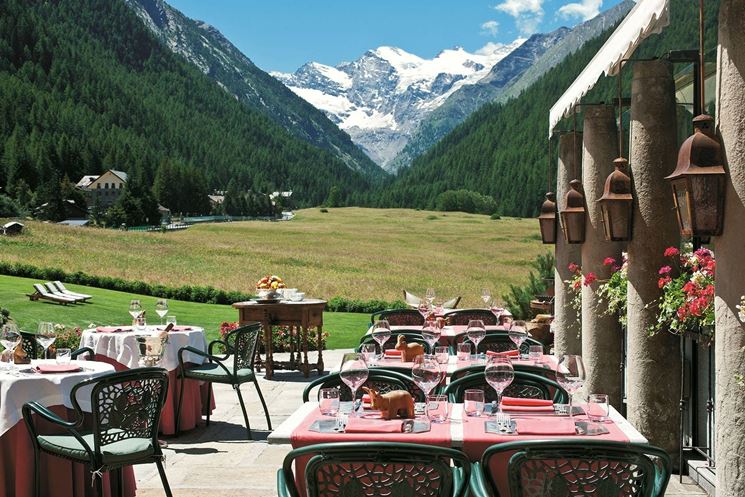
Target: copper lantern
point(573, 217)
point(547, 219)
point(698, 182)
point(617, 203)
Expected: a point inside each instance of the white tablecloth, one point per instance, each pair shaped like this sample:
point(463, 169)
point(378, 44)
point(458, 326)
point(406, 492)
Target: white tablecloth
point(122, 346)
point(46, 389)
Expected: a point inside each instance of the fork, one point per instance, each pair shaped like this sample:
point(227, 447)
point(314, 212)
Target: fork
point(503, 421)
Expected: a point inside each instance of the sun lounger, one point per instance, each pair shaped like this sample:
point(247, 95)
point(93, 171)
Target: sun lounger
point(54, 291)
point(44, 294)
point(61, 288)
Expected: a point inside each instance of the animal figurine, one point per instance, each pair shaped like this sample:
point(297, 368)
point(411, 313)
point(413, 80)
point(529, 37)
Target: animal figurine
point(395, 404)
point(409, 351)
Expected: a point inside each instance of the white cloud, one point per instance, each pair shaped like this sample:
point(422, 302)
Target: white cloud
point(490, 28)
point(585, 10)
point(490, 48)
point(528, 14)
point(516, 8)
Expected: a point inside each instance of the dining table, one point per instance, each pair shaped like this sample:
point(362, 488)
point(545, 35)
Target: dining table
point(118, 346)
point(60, 477)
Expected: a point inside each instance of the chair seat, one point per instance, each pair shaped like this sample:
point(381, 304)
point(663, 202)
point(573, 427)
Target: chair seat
point(214, 373)
point(122, 452)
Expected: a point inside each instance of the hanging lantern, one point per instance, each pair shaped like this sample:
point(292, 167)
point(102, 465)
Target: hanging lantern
point(698, 182)
point(547, 219)
point(617, 203)
point(573, 217)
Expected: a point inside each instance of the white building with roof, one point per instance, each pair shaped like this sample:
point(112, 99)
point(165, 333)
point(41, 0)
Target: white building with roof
point(104, 189)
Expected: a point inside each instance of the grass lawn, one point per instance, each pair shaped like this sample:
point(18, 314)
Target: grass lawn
point(110, 307)
point(349, 252)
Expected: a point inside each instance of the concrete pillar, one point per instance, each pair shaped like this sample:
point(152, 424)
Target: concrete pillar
point(729, 250)
point(653, 390)
point(566, 322)
point(602, 337)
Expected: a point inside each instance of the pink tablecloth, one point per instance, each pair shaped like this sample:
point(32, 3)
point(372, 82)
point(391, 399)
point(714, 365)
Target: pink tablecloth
point(195, 400)
point(59, 477)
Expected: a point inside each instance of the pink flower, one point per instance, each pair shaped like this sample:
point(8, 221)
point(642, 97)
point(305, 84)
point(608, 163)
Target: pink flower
point(671, 252)
point(590, 278)
point(665, 270)
point(609, 261)
point(573, 267)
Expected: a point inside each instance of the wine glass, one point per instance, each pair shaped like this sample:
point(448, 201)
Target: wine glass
point(381, 333)
point(368, 352)
point(10, 337)
point(518, 333)
point(45, 336)
point(497, 311)
point(161, 309)
point(571, 375)
point(485, 296)
point(426, 373)
point(135, 308)
point(431, 333)
point(424, 308)
point(476, 331)
point(353, 373)
point(499, 373)
point(430, 295)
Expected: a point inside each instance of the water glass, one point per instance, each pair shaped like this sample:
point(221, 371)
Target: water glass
point(328, 401)
point(464, 351)
point(597, 407)
point(438, 408)
point(63, 356)
point(535, 353)
point(442, 355)
point(171, 319)
point(473, 402)
point(368, 352)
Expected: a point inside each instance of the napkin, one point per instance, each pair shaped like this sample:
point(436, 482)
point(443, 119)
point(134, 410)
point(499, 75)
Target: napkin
point(514, 401)
point(508, 353)
point(545, 426)
point(362, 425)
point(58, 368)
point(112, 329)
point(392, 353)
point(525, 409)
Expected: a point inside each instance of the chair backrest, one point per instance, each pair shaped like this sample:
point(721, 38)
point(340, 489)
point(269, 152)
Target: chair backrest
point(398, 317)
point(578, 468)
point(52, 288)
point(463, 316)
point(411, 337)
point(499, 341)
point(536, 370)
point(524, 386)
point(242, 344)
point(125, 405)
point(41, 289)
point(380, 379)
point(29, 345)
point(379, 468)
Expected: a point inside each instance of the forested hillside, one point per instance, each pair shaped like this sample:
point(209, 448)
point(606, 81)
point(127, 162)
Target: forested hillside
point(85, 86)
point(500, 150)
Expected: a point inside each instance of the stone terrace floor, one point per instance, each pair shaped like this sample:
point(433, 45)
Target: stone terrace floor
point(218, 461)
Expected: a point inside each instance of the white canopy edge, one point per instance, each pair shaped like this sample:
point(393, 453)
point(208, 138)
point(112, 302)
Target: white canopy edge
point(646, 18)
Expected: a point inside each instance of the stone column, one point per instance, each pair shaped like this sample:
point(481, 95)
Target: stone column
point(730, 247)
point(602, 337)
point(653, 390)
point(566, 323)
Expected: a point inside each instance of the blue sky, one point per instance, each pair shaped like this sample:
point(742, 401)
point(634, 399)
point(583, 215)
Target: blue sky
point(281, 35)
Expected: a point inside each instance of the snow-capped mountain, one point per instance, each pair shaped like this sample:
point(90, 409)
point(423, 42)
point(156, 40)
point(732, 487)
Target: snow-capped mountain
point(380, 98)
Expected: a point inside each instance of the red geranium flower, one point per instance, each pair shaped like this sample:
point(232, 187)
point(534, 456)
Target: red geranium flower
point(590, 278)
point(573, 267)
point(609, 261)
point(671, 252)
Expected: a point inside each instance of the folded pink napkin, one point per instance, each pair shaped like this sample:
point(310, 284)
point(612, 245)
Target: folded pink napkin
point(545, 426)
point(508, 353)
point(392, 353)
point(58, 368)
point(516, 401)
point(362, 425)
point(112, 329)
point(528, 408)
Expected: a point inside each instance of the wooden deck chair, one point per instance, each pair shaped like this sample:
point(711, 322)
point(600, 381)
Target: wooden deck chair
point(61, 288)
point(43, 293)
point(54, 291)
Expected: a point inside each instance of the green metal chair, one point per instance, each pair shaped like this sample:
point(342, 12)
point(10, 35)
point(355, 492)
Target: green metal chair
point(398, 317)
point(463, 316)
point(126, 409)
point(586, 468)
point(376, 469)
point(241, 344)
point(526, 368)
point(497, 341)
point(524, 386)
point(381, 379)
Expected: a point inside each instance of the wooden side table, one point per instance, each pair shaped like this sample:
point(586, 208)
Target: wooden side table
point(302, 316)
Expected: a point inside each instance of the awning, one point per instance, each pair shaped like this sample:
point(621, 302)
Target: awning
point(646, 18)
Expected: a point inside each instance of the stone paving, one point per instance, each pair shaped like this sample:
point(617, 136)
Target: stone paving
point(220, 462)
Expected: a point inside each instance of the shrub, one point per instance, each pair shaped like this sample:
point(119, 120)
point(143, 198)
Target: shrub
point(519, 297)
point(465, 201)
point(495, 217)
point(324, 210)
point(343, 304)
